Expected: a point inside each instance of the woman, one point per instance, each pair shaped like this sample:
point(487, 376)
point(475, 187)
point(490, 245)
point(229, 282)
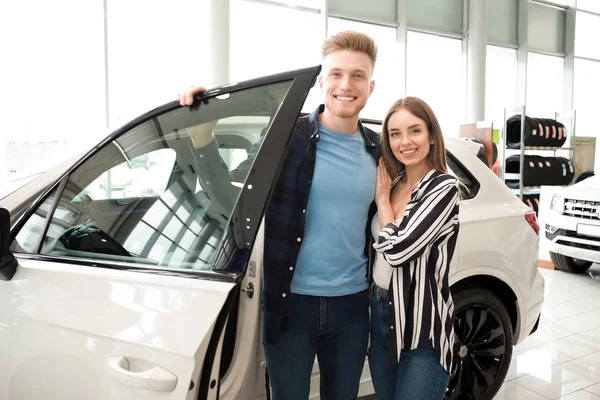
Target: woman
point(415, 232)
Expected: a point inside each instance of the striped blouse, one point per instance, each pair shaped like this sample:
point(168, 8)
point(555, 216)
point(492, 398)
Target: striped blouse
point(418, 249)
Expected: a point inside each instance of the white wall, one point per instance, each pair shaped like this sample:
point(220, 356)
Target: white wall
point(51, 78)
point(68, 76)
point(71, 70)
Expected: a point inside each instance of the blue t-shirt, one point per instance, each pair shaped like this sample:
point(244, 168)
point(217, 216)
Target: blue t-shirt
point(332, 261)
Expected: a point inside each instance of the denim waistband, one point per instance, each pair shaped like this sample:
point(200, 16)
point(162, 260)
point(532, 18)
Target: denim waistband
point(379, 292)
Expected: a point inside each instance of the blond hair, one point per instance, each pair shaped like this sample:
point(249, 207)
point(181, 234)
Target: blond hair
point(350, 40)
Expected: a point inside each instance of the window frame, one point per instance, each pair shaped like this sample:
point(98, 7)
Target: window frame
point(476, 185)
point(254, 195)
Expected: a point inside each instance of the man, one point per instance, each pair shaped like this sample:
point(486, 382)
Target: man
point(315, 261)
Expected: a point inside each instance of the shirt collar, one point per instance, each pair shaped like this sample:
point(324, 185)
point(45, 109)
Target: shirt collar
point(426, 178)
point(313, 127)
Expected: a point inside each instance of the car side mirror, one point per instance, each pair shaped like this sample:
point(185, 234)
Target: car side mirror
point(8, 263)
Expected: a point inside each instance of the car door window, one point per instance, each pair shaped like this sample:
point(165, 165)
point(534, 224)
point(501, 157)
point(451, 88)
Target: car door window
point(146, 175)
point(28, 239)
point(158, 195)
point(467, 185)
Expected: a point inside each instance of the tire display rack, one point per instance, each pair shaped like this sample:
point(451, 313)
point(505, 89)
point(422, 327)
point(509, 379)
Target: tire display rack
point(552, 157)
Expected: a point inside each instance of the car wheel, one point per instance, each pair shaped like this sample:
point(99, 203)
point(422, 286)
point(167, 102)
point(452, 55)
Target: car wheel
point(584, 176)
point(483, 346)
point(569, 264)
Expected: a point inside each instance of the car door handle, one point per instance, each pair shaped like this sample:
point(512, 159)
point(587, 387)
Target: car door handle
point(141, 374)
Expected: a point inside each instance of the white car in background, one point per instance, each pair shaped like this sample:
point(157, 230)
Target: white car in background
point(106, 294)
point(573, 226)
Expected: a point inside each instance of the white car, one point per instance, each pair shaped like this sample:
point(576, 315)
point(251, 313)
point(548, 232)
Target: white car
point(573, 226)
point(154, 293)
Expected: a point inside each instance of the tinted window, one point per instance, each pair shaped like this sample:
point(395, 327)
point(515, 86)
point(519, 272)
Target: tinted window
point(27, 240)
point(467, 185)
point(162, 193)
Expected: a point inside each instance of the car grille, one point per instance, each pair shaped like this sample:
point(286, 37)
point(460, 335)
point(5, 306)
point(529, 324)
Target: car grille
point(573, 234)
point(582, 209)
point(578, 245)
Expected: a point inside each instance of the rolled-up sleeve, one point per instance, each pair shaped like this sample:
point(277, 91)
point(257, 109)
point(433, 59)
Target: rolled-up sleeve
point(407, 239)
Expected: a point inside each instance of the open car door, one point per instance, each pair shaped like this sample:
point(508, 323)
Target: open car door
point(130, 264)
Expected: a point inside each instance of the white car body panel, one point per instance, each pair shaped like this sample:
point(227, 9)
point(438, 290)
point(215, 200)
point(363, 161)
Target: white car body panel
point(149, 317)
point(245, 377)
point(566, 222)
point(496, 240)
point(583, 231)
point(588, 189)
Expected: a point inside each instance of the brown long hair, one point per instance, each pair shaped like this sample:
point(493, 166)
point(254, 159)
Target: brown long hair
point(437, 153)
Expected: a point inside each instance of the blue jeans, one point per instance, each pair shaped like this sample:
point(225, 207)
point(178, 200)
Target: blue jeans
point(419, 374)
point(336, 330)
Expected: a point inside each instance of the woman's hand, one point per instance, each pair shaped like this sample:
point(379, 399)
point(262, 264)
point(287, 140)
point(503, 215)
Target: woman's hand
point(384, 185)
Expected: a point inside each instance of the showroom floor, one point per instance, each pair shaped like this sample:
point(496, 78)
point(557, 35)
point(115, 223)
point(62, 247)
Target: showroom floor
point(562, 359)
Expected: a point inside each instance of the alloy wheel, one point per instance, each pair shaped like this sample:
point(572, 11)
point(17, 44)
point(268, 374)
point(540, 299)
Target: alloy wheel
point(478, 352)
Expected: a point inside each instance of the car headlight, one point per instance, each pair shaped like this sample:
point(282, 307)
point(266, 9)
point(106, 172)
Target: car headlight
point(558, 204)
point(551, 229)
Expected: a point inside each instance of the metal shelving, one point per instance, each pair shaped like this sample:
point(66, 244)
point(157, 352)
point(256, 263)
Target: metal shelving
point(567, 118)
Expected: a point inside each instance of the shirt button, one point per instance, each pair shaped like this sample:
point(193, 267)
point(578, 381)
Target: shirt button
point(304, 211)
point(299, 240)
point(392, 327)
point(291, 268)
point(283, 295)
point(390, 303)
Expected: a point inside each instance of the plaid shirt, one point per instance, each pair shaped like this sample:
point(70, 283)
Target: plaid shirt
point(285, 217)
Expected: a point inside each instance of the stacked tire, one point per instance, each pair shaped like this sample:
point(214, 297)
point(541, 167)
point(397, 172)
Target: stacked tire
point(533, 201)
point(539, 132)
point(539, 170)
point(481, 154)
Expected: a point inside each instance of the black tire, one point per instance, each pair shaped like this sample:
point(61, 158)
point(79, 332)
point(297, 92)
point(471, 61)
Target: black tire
point(533, 201)
point(569, 264)
point(584, 175)
point(481, 154)
point(534, 170)
point(567, 172)
point(484, 346)
point(513, 134)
